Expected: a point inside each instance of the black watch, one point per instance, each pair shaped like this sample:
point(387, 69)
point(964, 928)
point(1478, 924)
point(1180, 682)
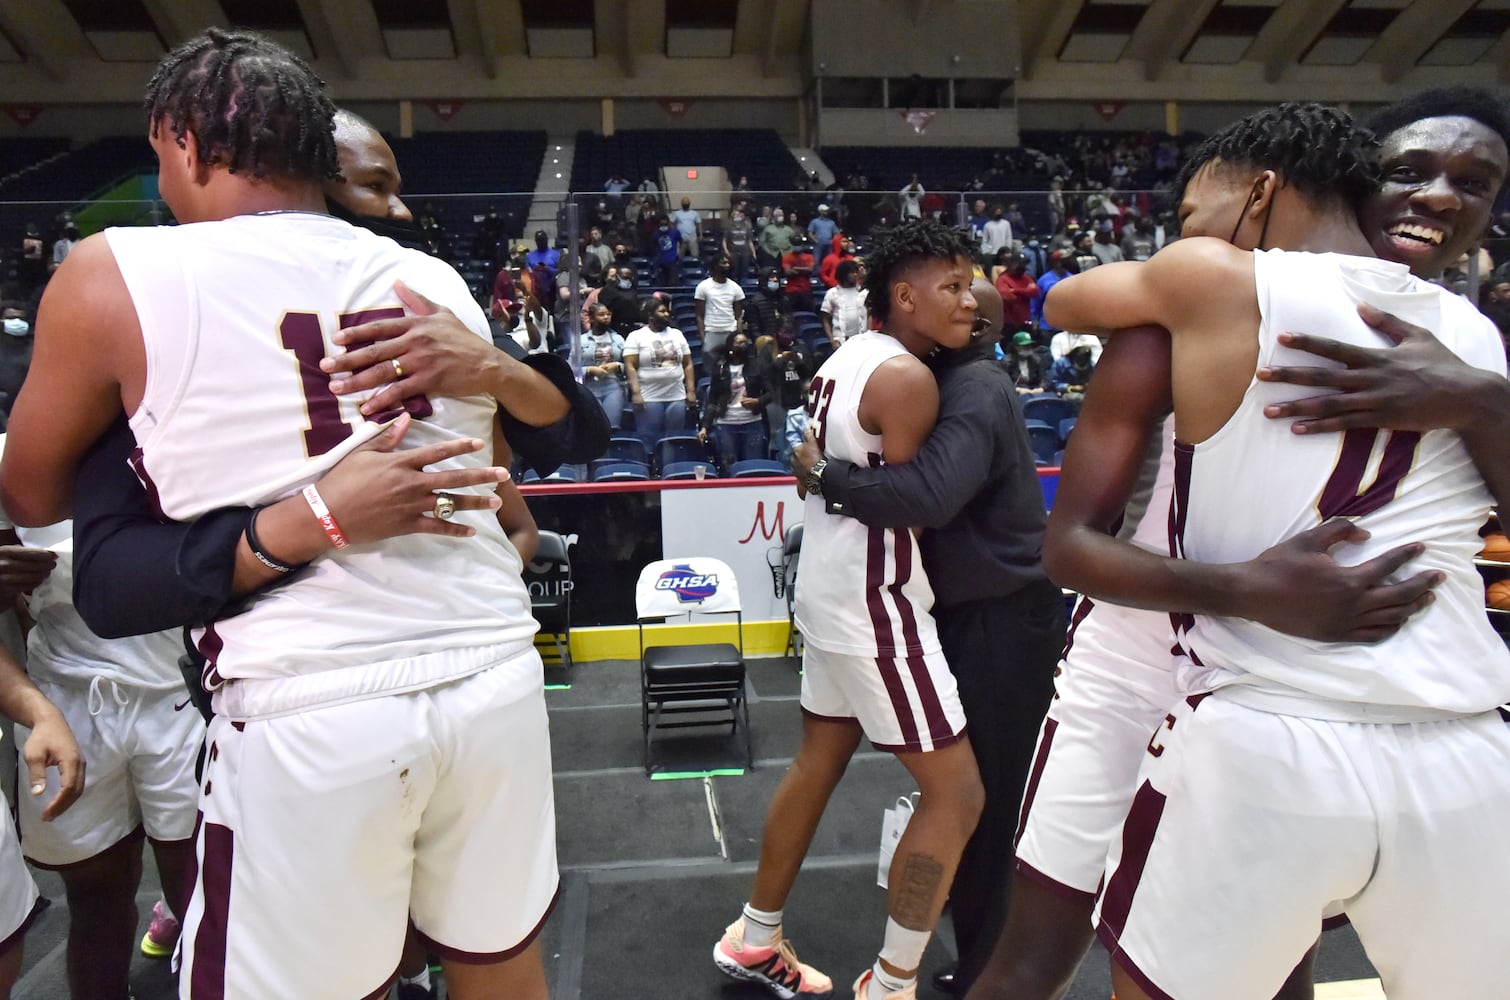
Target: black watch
point(813, 483)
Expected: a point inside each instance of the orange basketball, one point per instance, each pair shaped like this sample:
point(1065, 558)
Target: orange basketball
point(1497, 547)
point(1498, 595)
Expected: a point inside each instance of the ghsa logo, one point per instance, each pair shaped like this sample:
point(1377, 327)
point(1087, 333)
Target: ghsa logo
point(689, 587)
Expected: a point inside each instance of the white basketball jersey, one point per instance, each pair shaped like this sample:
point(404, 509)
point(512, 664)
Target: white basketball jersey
point(1255, 483)
point(60, 647)
point(235, 317)
point(863, 589)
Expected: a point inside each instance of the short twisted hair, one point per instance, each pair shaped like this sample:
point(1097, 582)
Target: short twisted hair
point(1485, 106)
point(1319, 150)
point(895, 250)
point(252, 105)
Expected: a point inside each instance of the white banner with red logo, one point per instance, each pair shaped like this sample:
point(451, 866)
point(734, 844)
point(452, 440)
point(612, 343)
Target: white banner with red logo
point(744, 529)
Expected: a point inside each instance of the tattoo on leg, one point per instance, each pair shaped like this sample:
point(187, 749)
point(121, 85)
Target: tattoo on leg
point(912, 905)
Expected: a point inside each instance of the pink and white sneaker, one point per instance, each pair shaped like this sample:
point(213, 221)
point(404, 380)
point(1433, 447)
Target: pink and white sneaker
point(776, 968)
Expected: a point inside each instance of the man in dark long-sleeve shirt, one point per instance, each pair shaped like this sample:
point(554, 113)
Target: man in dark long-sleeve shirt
point(974, 490)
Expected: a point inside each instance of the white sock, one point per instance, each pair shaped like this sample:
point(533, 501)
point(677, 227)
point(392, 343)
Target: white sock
point(423, 979)
point(903, 948)
point(762, 927)
point(883, 982)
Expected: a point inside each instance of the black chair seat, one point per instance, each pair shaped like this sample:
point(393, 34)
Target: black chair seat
point(693, 665)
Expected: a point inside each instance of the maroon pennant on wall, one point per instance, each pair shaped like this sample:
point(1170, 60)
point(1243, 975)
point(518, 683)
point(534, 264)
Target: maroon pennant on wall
point(677, 108)
point(1108, 109)
point(446, 110)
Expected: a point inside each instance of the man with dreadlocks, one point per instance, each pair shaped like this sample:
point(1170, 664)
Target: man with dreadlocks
point(1370, 776)
point(379, 752)
point(873, 666)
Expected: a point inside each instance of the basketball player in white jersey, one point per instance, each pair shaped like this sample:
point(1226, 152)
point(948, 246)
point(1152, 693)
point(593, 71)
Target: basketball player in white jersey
point(873, 666)
point(1369, 777)
point(48, 745)
point(379, 753)
point(125, 702)
point(1444, 160)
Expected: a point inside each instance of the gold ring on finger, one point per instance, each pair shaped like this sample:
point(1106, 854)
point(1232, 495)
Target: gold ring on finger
point(445, 507)
point(398, 369)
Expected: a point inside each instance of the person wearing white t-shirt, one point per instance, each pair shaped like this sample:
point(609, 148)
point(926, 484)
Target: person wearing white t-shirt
point(720, 306)
point(1063, 342)
point(661, 381)
point(690, 224)
point(534, 329)
point(843, 311)
point(995, 234)
point(912, 199)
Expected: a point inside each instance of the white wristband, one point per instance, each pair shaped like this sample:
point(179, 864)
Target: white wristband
point(322, 513)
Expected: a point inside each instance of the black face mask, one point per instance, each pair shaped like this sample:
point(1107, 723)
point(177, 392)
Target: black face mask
point(405, 234)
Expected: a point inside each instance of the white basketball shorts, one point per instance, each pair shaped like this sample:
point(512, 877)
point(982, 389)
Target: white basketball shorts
point(139, 749)
point(1112, 690)
point(905, 704)
point(18, 893)
point(1248, 827)
point(324, 833)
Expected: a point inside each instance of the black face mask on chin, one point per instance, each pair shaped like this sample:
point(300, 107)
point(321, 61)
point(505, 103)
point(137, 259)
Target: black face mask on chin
point(405, 234)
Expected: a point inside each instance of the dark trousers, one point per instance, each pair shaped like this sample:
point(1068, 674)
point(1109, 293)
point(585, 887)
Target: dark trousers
point(1003, 653)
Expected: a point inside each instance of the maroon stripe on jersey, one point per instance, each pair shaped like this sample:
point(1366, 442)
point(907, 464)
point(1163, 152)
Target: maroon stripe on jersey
point(1137, 840)
point(1082, 609)
point(208, 980)
point(1332, 923)
point(139, 466)
point(1504, 713)
point(1067, 892)
point(193, 870)
point(348, 320)
point(1344, 494)
point(1179, 507)
point(916, 746)
point(933, 709)
point(1040, 761)
point(488, 958)
point(875, 580)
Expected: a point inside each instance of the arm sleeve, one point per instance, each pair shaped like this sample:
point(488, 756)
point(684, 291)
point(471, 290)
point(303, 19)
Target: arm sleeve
point(580, 436)
point(133, 572)
point(930, 490)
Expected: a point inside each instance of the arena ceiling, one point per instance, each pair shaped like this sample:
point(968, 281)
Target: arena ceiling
point(83, 51)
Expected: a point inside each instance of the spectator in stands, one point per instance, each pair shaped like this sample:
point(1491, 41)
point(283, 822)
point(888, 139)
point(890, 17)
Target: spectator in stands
point(31, 267)
point(662, 385)
point(1084, 250)
point(776, 238)
point(668, 254)
point(767, 309)
point(1056, 203)
point(788, 370)
point(912, 199)
point(15, 351)
point(996, 233)
point(719, 304)
point(797, 268)
point(979, 216)
point(1015, 218)
point(650, 191)
point(645, 228)
point(600, 352)
point(616, 184)
point(64, 244)
point(487, 243)
point(604, 215)
point(1028, 364)
point(505, 296)
point(1064, 342)
point(1138, 239)
point(534, 330)
point(1059, 269)
point(619, 296)
point(596, 248)
point(844, 312)
point(542, 263)
point(689, 222)
point(1018, 291)
point(735, 412)
point(1104, 245)
point(739, 244)
point(822, 228)
point(828, 271)
point(1072, 373)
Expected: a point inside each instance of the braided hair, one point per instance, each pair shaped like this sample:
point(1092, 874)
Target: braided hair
point(252, 105)
point(896, 250)
point(1317, 149)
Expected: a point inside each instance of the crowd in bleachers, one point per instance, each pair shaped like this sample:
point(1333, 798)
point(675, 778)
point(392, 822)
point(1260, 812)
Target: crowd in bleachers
point(793, 246)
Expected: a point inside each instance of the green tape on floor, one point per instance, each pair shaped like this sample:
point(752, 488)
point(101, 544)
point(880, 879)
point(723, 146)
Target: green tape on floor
point(558, 687)
point(725, 772)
